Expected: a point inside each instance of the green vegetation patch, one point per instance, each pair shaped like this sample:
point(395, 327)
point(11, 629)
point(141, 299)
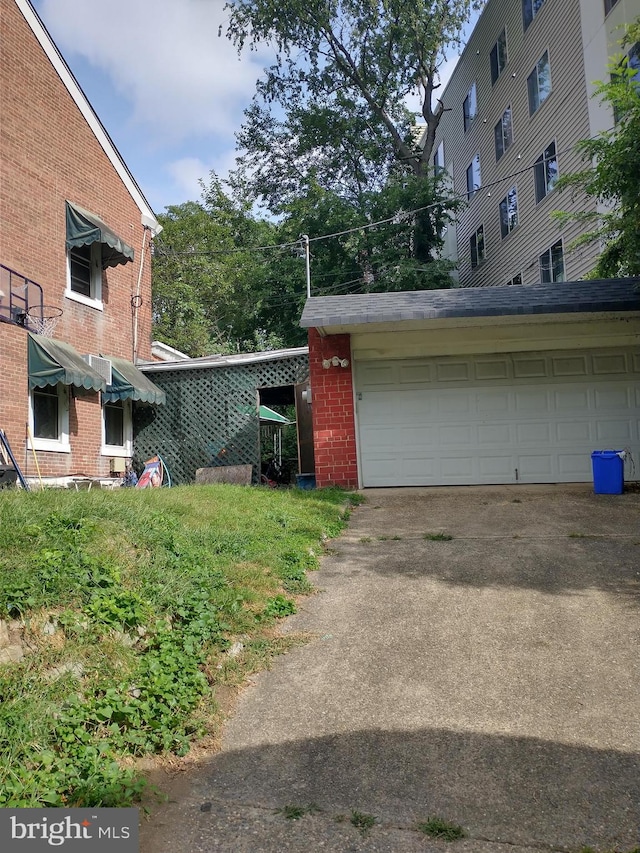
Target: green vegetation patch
point(435, 827)
point(131, 607)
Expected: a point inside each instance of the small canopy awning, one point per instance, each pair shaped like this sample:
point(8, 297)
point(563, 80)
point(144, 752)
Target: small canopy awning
point(270, 416)
point(52, 361)
point(129, 383)
point(84, 228)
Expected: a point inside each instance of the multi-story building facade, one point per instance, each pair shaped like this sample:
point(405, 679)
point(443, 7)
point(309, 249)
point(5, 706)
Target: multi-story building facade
point(519, 100)
point(75, 272)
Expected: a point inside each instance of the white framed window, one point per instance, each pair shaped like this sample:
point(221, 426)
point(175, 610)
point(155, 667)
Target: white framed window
point(49, 418)
point(539, 83)
point(515, 281)
point(84, 274)
point(530, 9)
point(117, 428)
point(509, 212)
point(498, 57)
point(474, 178)
point(470, 108)
point(545, 172)
point(476, 245)
point(552, 263)
point(503, 133)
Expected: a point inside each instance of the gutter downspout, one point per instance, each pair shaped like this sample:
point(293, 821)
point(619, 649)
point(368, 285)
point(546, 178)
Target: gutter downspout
point(136, 299)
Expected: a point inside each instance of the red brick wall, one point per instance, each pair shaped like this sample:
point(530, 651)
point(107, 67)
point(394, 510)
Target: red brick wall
point(334, 429)
point(14, 400)
point(48, 154)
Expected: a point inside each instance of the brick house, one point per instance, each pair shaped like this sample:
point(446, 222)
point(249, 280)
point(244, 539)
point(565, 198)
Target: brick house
point(469, 386)
point(75, 239)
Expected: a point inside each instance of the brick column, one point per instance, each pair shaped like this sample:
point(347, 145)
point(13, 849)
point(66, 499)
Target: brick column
point(334, 429)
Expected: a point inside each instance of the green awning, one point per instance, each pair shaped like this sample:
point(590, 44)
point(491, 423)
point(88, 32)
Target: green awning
point(52, 361)
point(84, 228)
point(129, 383)
point(267, 414)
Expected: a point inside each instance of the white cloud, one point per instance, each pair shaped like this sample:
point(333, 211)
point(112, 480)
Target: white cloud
point(187, 174)
point(165, 58)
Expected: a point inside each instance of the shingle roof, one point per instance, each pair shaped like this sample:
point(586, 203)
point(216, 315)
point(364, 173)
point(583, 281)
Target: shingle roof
point(620, 294)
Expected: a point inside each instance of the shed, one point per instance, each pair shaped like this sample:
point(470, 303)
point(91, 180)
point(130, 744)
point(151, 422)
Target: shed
point(212, 412)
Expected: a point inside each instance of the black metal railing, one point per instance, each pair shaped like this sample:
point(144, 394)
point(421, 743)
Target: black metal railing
point(22, 299)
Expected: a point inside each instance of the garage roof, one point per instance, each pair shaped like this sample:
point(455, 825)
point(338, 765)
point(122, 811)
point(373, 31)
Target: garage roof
point(620, 294)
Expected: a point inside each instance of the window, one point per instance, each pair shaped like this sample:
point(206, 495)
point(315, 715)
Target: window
point(117, 429)
point(503, 133)
point(49, 418)
point(477, 247)
point(85, 273)
point(530, 9)
point(633, 64)
point(608, 5)
point(539, 83)
point(498, 57)
point(634, 61)
point(438, 160)
point(515, 281)
point(552, 264)
point(470, 108)
point(546, 172)
point(509, 212)
point(474, 180)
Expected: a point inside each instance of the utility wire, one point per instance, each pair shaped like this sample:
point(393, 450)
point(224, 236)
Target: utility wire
point(167, 251)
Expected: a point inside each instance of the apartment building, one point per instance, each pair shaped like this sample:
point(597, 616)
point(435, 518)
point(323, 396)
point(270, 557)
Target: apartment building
point(517, 103)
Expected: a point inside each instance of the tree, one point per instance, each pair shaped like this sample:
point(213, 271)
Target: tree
point(343, 72)
point(612, 175)
point(210, 285)
point(329, 128)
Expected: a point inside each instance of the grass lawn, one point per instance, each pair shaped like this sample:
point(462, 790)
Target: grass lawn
point(132, 607)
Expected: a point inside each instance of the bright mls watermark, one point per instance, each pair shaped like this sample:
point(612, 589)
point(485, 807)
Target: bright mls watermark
point(69, 830)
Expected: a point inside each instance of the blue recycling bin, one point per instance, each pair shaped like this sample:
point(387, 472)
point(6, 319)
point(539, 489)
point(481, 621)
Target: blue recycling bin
point(608, 472)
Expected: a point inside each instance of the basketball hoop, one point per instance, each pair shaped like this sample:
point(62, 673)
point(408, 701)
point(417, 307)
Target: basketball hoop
point(43, 320)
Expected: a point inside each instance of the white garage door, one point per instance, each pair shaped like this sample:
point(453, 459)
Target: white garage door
point(529, 418)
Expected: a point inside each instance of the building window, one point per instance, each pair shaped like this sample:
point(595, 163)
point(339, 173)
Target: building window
point(539, 83)
point(474, 180)
point(84, 272)
point(476, 244)
point(503, 133)
point(546, 172)
point(470, 108)
point(530, 9)
point(498, 57)
point(117, 428)
point(438, 159)
point(552, 264)
point(509, 212)
point(608, 5)
point(49, 418)
point(515, 281)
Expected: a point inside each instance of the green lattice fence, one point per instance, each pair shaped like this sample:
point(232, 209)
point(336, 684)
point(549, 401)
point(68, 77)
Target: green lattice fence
point(211, 415)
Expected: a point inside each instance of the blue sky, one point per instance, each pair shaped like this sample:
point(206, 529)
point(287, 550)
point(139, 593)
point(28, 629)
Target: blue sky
point(169, 91)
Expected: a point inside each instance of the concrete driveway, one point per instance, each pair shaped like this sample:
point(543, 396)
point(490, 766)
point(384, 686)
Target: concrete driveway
point(491, 680)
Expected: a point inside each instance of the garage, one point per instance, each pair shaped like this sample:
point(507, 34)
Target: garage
point(464, 386)
point(499, 419)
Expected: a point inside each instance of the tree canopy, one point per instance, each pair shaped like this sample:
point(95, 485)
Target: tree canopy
point(335, 101)
point(612, 175)
point(329, 148)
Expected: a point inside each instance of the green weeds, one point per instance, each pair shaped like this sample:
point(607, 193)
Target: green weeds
point(362, 821)
point(127, 604)
point(438, 537)
point(435, 827)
